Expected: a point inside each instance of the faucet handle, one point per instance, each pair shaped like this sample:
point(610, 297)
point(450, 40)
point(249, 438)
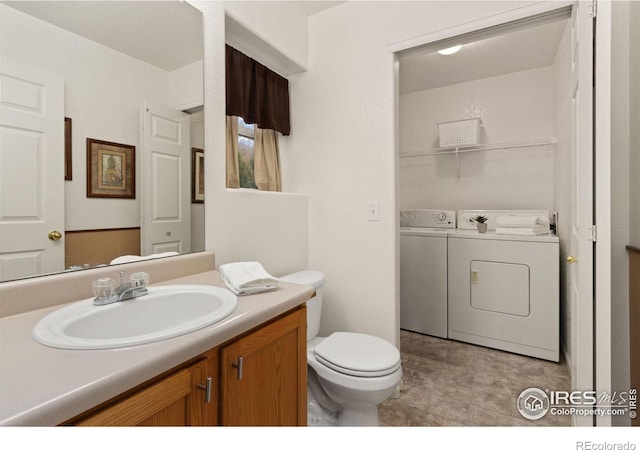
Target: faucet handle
point(121, 277)
point(102, 287)
point(139, 279)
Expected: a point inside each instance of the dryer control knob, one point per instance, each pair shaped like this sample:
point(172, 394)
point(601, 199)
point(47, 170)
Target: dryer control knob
point(442, 216)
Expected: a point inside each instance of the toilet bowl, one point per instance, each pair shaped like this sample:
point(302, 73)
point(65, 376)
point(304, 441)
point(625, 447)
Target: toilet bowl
point(349, 373)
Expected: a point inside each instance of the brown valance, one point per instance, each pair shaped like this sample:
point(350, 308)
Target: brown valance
point(256, 93)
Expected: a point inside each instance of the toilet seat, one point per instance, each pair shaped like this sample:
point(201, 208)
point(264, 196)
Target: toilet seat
point(358, 355)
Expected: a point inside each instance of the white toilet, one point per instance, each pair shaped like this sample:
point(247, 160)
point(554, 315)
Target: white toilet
point(349, 374)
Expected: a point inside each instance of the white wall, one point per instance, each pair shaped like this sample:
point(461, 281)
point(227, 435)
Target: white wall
point(344, 142)
point(244, 224)
point(103, 89)
point(513, 107)
point(186, 87)
point(624, 53)
point(272, 32)
point(253, 225)
point(342, 153)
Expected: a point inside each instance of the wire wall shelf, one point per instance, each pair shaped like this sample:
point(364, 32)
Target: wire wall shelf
point(481, 148)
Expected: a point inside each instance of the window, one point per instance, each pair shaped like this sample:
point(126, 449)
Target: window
point(246, 155)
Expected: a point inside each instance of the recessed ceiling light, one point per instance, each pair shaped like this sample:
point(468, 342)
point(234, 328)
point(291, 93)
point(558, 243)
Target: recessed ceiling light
point(450, 50)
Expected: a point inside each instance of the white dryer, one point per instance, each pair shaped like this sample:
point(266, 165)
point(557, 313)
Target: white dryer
point(503, 289)
point(423, 270)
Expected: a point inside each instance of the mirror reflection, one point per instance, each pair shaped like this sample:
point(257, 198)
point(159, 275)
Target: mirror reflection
point(127, 77)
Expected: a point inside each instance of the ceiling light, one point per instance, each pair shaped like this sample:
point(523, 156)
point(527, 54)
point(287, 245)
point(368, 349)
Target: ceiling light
point(450, 50)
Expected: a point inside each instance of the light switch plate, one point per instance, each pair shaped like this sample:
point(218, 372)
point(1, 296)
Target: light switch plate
point(373, 211)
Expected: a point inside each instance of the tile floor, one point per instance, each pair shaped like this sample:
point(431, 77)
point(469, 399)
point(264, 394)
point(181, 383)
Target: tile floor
point(450, 383)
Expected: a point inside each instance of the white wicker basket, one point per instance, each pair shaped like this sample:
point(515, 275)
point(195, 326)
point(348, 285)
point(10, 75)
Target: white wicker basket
point(459, 133)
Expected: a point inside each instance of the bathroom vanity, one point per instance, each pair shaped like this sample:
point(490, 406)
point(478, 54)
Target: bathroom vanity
point(259, 378)
point(193, 379)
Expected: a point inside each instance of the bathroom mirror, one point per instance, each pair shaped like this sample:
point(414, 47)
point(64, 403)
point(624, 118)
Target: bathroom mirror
point(115, 59)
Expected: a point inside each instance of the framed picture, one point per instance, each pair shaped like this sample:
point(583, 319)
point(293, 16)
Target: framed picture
point(197, 175)
point(67, 148)
point(111, 169)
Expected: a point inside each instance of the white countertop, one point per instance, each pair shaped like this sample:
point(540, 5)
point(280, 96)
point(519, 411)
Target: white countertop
point(45, 386)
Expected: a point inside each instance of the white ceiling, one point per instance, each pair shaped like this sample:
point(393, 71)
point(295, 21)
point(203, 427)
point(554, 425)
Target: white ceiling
point(523, 49)
point(165, 34)
point(168, 35)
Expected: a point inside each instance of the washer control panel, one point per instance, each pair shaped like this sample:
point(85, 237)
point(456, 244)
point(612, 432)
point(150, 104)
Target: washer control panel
point(427, 218)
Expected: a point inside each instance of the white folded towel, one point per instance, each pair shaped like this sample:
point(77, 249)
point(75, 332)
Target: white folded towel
point(534, 231)
point(244, 278)
point(520, 221)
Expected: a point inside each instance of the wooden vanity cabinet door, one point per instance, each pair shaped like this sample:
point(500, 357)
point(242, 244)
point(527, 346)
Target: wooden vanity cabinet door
point(176, 400)
point(272, 388)
point(203, 412)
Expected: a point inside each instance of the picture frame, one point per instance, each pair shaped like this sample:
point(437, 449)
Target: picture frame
point(197, 175)
point(111, 169)
point(68, 175)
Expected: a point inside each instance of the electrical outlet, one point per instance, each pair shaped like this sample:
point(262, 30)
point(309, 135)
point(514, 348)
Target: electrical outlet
point(373, 211)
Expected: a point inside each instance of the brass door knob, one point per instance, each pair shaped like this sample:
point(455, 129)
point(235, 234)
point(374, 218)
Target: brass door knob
point(571, 259)
point(54, 235)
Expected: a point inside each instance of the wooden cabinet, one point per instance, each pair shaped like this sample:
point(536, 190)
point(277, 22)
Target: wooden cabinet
point(185, 397)
point(164, 403)
point(259, 378)
point(264, 375)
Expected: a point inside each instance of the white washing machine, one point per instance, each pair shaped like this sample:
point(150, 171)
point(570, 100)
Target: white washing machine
point(504, 289)
point(423, 270)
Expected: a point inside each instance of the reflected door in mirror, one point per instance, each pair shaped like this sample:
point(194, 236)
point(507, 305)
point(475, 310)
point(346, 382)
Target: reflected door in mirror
point(31, 170)
point(166, 209)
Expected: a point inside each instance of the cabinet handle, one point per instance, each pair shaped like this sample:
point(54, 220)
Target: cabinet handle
point(238, 366)
point(207, 389)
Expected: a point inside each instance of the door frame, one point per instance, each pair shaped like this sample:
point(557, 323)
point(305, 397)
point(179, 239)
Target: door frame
point(602, 199)
point(601, 329)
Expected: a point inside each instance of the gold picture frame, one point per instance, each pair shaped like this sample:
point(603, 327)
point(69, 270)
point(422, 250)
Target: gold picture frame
point(197, 175)
point(111, 169)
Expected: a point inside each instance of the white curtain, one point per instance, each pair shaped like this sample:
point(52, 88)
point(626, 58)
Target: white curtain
point(266, 166)
point(233, 172)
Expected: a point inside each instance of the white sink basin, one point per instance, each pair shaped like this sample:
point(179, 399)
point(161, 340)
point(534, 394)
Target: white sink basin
point(166, 312)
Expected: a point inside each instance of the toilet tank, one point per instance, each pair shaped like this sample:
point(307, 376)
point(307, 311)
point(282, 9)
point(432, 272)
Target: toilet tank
point(315, 279)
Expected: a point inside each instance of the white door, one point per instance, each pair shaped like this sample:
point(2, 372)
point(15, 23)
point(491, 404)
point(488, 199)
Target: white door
point(31, 170)
point(582, 238)
point(165, 175)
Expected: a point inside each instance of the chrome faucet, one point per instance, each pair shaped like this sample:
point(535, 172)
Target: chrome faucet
point(126, 291)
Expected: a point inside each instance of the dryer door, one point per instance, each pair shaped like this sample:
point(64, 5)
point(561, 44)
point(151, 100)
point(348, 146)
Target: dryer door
point(500, 287)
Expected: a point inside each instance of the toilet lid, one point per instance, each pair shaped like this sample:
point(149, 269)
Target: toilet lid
point(358, 354)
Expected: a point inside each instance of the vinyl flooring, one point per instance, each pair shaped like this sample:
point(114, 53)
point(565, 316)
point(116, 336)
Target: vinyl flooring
point(450, 383)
